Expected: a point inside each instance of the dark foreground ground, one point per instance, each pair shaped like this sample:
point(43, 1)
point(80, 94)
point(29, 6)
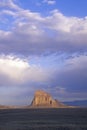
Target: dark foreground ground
point(44, 119)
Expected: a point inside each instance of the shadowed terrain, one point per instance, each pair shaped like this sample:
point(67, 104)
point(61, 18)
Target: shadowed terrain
point(43, 119)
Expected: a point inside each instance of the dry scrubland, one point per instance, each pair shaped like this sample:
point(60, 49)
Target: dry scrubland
point(43, 119)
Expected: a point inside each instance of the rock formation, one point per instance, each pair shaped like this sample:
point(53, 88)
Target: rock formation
point(43, 99)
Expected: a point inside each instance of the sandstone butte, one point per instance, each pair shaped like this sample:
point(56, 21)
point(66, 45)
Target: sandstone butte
point(43, 99)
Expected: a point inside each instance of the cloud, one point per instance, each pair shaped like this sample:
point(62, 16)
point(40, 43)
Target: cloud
point(16, 71)
point(31, 33)
point(72, 75)
point(66, 24)
point(68, 82)
point(49, 2)
point(9, 4)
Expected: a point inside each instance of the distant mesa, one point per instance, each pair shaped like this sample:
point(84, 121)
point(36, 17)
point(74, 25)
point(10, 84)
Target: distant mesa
point(44, 99)
point(3, 107)
point(8, 107)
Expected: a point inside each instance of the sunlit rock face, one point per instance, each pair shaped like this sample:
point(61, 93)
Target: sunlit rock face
point(43, 99)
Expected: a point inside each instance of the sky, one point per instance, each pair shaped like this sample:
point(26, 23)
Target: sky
point(43, 46)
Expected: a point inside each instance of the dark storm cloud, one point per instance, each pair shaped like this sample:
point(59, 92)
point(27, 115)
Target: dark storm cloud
point(73, 75)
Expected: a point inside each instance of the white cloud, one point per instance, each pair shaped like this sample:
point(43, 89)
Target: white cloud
point(18, 71)
point(57, 21)
point(9, 4)
point(13, 67)
point(49, 2)
point(7, 12)
point(32, 33)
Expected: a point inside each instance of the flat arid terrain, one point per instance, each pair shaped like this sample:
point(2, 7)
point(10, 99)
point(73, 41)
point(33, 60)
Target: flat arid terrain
point(43, 119)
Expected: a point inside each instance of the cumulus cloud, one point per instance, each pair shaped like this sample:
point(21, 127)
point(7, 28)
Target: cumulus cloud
point(31, 33)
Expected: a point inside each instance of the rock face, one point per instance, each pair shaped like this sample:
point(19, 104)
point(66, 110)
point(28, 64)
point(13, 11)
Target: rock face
point(43, 99)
